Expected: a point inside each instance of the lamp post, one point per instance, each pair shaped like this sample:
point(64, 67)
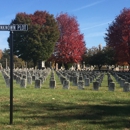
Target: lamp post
point(11, 77)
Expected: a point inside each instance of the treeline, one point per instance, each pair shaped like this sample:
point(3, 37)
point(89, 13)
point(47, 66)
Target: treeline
point(59, 40)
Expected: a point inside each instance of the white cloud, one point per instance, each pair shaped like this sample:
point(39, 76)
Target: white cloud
point(95, 34)
point(96, 25)
point(89, 5)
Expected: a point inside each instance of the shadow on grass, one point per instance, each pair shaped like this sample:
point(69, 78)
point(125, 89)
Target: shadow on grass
point(113, 115)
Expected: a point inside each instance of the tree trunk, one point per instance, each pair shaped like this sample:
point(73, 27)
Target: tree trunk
point(123, 68)
point(129, 66)
point(34, 64)
point(66, 66)
point(59, 65)
point(99, 67)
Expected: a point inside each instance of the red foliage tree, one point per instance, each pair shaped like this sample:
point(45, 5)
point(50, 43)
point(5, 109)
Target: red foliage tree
point(70, 46)
point(118, 36)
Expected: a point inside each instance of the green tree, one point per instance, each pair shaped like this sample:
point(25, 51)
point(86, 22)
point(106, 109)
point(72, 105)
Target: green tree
point(109, 56)
point(100, 57)
point(88, 55)
point(38, 42)
point(18, 62)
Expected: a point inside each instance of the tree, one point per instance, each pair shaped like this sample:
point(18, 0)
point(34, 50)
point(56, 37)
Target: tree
point(118, 36)
point(5, 58)
point(1, 54)
point(89, 54)
point(38, 42)
point(18, 62)
point(109, 56)
point(99, 57)
point(70, 46)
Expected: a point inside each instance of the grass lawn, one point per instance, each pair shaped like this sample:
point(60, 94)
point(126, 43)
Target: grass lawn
point(59, 109)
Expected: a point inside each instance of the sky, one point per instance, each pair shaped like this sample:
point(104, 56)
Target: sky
point(93, 16)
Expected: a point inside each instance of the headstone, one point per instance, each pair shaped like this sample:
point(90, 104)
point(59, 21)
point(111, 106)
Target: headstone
point(80, 84)
point(128, 80)
point(42, 80)
point(37, 83)
point(29, 79)
point(62, 79)
point(111, 86)
point(7, 80)
point(18, 80)
point(96, 85)
point(52, 84)
point(14, 76)
point(24, 76)
point(99, 81)
point(122, 82)
point(75, 80)
point(33, 77)
point(23, 83)
point(91, 79)
point(126, 87)
point(87, 81)
point(109, 80)
point(70, 78)
point(66, 84)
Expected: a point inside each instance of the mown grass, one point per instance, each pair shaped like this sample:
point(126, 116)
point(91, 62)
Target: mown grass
point(59, 109)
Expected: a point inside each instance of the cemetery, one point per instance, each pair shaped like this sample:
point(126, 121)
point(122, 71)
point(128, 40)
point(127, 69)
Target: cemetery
point(54, 98)
point(51, 80)
point(81, 79)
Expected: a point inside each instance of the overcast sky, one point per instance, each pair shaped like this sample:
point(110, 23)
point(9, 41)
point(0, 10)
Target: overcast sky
point(93, 16)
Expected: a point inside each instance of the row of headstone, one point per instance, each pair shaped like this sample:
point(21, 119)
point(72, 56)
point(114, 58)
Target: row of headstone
point(52, 83)
point(6, 78)
point(123, 80)
point(79, 79)
point(63, 79)
point(97, 83)
point(24, 77)
point(111, 83)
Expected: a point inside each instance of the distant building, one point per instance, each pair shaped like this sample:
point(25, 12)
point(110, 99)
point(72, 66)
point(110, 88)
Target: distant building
point(100, 47)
